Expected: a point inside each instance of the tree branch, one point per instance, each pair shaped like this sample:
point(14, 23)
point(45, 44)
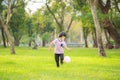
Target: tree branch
point(62, 16)
point(53, 15)
point(116, 5)
point(68, 28)
point(1, 22)
point(8, 12)
point(104, 8)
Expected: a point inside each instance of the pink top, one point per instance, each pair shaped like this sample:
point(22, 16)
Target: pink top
point(59, 45)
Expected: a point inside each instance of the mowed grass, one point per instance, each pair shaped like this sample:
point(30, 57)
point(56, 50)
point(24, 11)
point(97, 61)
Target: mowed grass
point(86, 64)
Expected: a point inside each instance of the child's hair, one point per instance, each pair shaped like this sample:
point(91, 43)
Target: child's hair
point(62, 34)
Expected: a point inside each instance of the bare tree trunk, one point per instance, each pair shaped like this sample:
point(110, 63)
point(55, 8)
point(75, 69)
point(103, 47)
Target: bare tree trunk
point(68, 28)
point(108, 25)
point(108, 44)
point(35, 44)
point(17, 42)
point(30, 43)
point(85, 40)
point(86, 32)
point(97, 26)
point(107, 36)
point(86, 43)
point(94, 39)
point(3, 37)
point(10, 39)
point(43, 43)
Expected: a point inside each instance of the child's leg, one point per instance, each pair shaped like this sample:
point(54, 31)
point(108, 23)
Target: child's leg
point(57, 59)
point(61, 58)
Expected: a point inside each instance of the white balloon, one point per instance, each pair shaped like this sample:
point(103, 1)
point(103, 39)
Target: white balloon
point(67, 59)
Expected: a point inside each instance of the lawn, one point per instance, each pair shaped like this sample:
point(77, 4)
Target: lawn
point(29, 64)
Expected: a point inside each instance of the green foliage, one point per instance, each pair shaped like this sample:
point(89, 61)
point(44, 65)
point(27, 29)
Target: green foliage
point(102, 16)
point(58, 6)
point(46, 36)
point(79, 4)
point(1, 6)
point(116, 21)
point(17, 22)
point(85, 13)
point(39, 64)
point(59, 9)
point(86, 19)
point(54, 6)
point(86, 31)
point(29, 26)
point(43, 21)
point(48, 28)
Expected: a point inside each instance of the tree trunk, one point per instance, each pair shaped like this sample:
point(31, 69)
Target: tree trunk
point(68, 28)
point(86, 43)
point(107, 36)
point(86, 32)
point(108, 44)
point(3, 37)
point(110, 28)
point(43, 43)
point(16, 39)
point(108, 25)
point(85, 39)
point(30, 43)
point(17, 42)
point(98, 29)
point(5, 26)
point(35, 44)
point(10, 39)
point(94, 39)
point(117, 5)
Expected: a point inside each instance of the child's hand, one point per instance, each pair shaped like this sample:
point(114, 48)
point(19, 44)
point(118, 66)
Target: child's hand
point(68, 49)
point(49, 49)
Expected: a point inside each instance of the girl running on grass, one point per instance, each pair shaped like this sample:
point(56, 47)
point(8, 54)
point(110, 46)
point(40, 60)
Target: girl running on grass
point(58, 50)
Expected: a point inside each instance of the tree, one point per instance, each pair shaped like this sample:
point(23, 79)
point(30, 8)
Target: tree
point(29, 25)
point(107, 23)
point(94, 37)
point(86, 32)
point(2, 30)
point(58, 11)
point(45, 38)
point(84, 15)
point(3, 37)
point(17, 23)
point(4, 24)
point(43, 21)
point(97, 26)
point(116, 2)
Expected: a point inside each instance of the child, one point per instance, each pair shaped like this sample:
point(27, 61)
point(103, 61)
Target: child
point(59, 45)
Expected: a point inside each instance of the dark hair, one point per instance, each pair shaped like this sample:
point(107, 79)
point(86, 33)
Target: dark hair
point(62, 34)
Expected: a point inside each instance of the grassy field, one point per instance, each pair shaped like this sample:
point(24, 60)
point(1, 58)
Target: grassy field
point(39, 64)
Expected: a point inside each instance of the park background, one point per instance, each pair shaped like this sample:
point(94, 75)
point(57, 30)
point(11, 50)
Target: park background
point(93, 34)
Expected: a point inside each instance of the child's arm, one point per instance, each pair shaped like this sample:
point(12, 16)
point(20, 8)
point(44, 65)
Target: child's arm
point(66, 48)
point(50, 47)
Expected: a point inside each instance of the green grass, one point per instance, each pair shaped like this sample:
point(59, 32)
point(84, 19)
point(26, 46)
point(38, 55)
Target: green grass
point(39, 64)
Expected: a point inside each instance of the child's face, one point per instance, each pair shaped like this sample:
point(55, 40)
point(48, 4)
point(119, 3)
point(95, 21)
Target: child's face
point(63, 38)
